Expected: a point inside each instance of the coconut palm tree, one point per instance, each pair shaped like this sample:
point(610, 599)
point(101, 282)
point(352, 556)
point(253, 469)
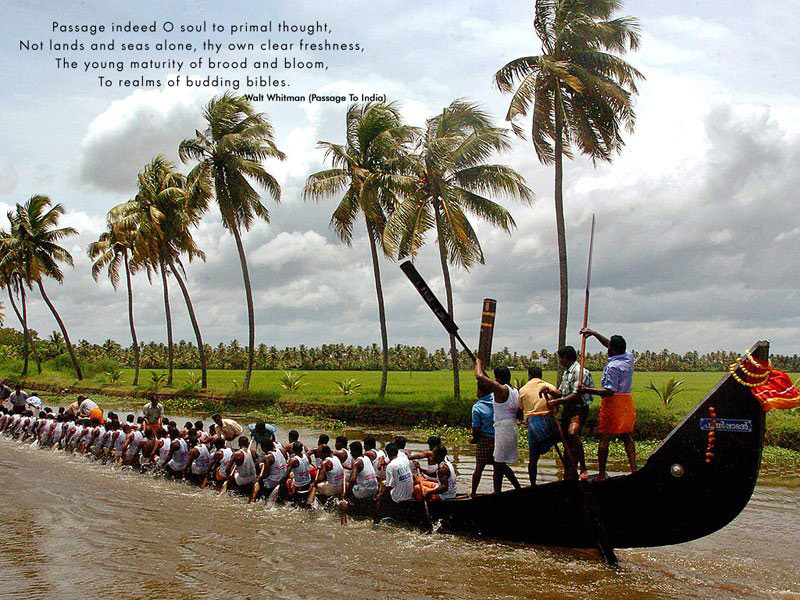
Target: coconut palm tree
point(229, 154)
point(579, 93)
point(112, 250)
point(35, 233)
point(163, 212)
point(367, 169)
point(56, 341)
point(11, 279)
point(451, 181)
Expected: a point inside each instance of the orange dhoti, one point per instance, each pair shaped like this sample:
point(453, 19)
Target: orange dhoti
point(617, 414)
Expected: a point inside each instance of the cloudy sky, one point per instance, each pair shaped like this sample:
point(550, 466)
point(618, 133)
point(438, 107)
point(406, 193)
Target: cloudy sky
point(698, 230)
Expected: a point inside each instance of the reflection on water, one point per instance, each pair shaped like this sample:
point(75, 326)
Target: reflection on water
point(68, 525)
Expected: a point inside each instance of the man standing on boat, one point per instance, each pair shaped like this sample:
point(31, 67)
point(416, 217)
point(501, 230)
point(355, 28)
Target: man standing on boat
point(153, 413)
point(18, 400)
point(617, 412)
point(506, 434)
point(261, 434)
point(228, 428)
point(576, 406)
point(482, 433)
point(86, 406)
point(541, 424)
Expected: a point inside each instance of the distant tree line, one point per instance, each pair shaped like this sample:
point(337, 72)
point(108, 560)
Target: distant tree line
point(329, 357)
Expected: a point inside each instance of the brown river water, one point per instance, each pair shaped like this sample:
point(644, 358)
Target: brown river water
point(70, 528)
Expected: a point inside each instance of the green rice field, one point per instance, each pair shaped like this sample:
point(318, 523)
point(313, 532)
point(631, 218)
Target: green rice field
point(424, 396)
point(411, 389)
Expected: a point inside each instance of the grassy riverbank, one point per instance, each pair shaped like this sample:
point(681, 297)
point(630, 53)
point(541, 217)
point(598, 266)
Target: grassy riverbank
point(413, 398)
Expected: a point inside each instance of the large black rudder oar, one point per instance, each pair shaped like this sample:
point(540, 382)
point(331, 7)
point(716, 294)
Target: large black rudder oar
point(433, 303)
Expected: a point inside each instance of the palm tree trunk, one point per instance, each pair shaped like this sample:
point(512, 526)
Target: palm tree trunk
point(448, 288)
point(23, 320)
point(170, 350)
point(63, 328)
point(251, 320)
point(561, 234)
point(26, 336)
point(201, 350)
point(130, 320)
point(376, 270)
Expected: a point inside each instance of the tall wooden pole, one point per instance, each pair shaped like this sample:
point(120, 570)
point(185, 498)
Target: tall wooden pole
point(586, 303)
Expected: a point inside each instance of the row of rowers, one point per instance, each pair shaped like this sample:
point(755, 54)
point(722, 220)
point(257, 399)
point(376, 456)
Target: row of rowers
point(258, 466)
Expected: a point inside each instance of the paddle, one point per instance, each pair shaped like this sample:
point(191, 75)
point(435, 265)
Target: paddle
point(558, 450)
point(376, 518)
point(312, 494)
point(344, 502)
point(273, 495)
point(418, 479)
point(225, 485)
point(433, 303)
point(586, 301)
point(567, 450)
point(427, 511)
point(209, 473)
point(257, 484)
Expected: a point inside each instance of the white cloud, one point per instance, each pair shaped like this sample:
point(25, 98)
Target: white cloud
point(307, 248)
point(131, 131)
point(720, 237)
point(536, 309)
point(787, 234)
point(300, 147)
point(695, 27)
point(303, 293)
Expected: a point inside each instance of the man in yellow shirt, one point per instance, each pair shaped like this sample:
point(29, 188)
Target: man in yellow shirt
point(542, 427)
point(228, 428)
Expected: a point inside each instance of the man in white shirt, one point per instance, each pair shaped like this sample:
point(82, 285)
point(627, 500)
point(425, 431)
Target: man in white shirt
point(400, 442)
point(153, 413)
point(18, 400)
point(399, 479)
point(86, 406)
point(34, 401)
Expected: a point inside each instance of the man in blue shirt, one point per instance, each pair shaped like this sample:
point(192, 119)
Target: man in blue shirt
point(261, 433)
point(617, 416)
point(482, 433)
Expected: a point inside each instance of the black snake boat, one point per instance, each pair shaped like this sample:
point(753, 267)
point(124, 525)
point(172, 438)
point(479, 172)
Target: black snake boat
point(697, 481)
